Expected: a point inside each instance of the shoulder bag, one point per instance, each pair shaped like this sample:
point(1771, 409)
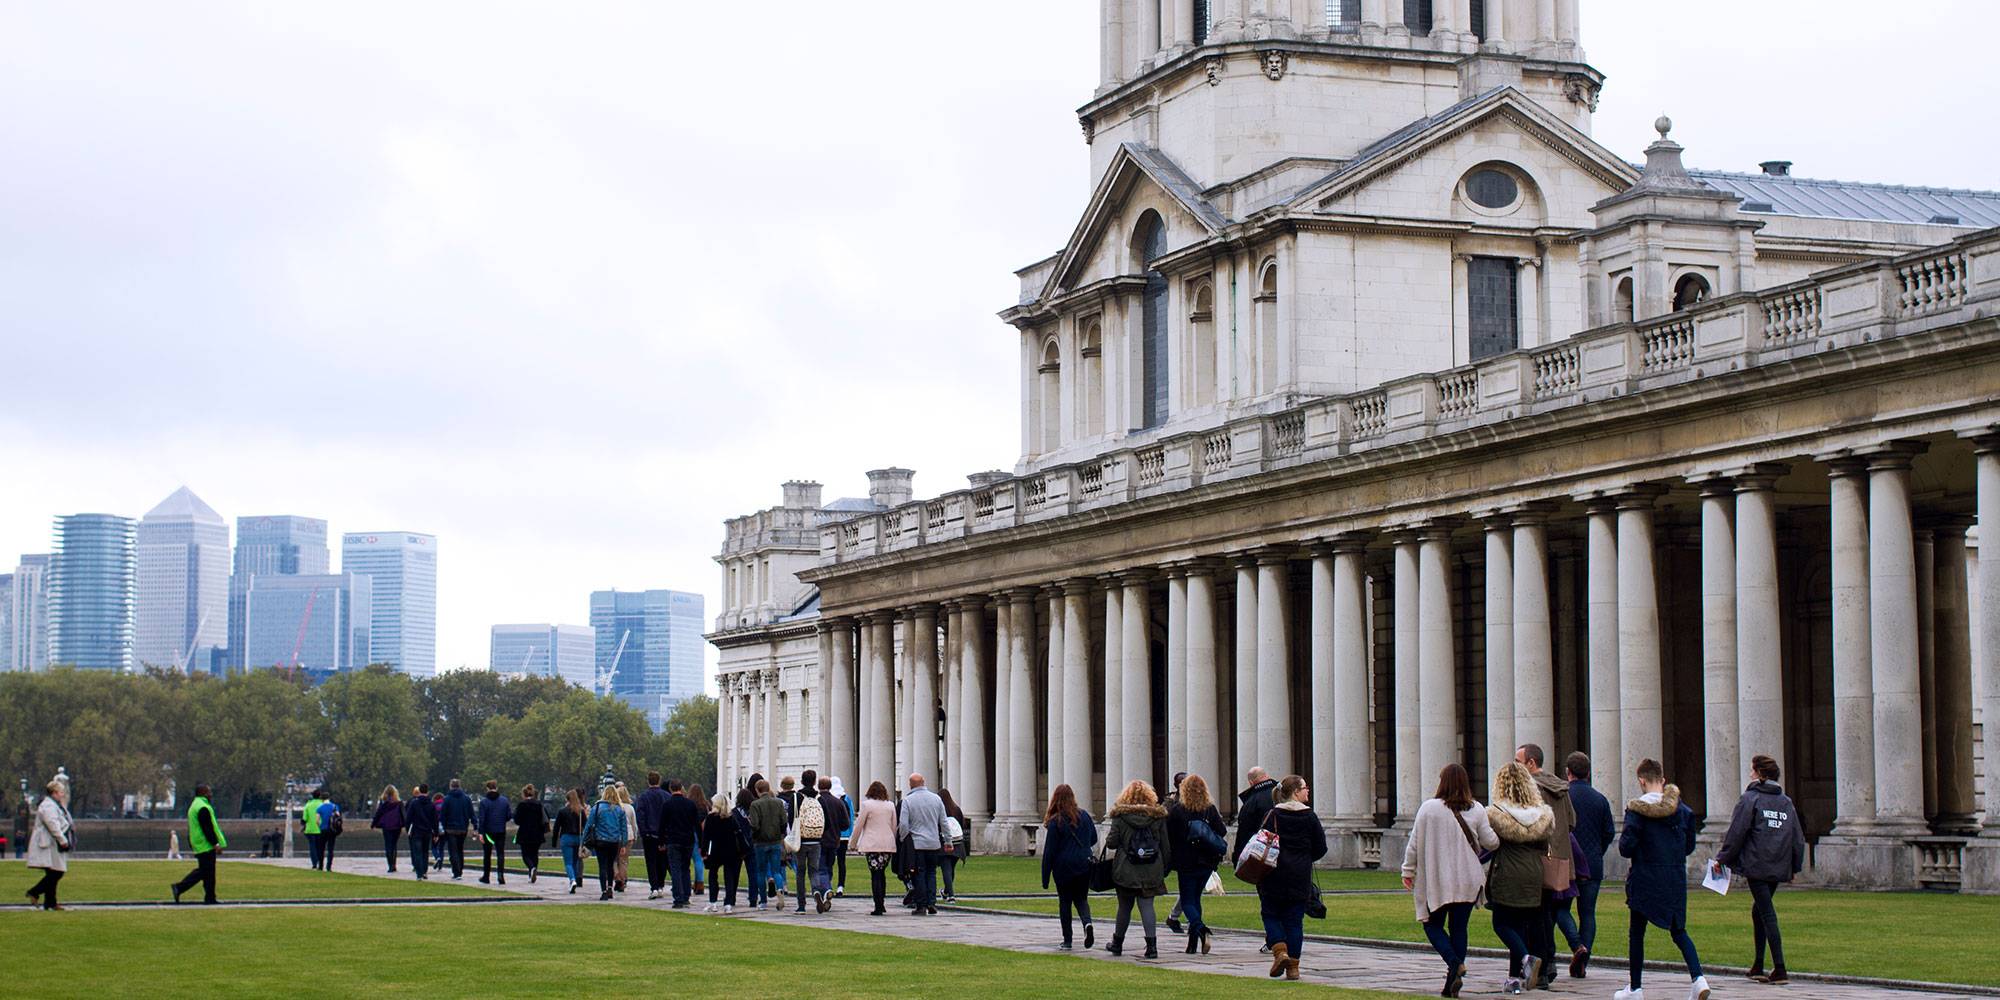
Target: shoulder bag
point(1260, 855)
point(1470, 840)
point(590, 839)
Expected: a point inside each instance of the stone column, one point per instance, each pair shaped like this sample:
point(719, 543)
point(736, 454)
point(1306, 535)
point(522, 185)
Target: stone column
point(1245, 662)
point(1022, 769)
point(1078, 740)
point(1148, 37)
point(923, 693)
point(1114, 683)
point(845, 759)
point(1760, 674)
point(1136, 689)
point(1601, 567)
point(975, 796)
point(725, 736)
point(1003, 705)
point(879, 726)
point(1353, 754)
point(1953, 702)
point(1177, 736)
point(1274, 651)
point(1437, 666)
point(1892, 647)
point(1853, 678)
point(1986, 615)
point(1719, 695)
point(1534, 647)
point(1183, 23)
point(1641, 730)
point(753, 713)
point(954, 694)
point(1325, 734)
point(1410, 787)
point(1204, 731)
point(1502, 686)
point(1052, 690)
point(771, 741)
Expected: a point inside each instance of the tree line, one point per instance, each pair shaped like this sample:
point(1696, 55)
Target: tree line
point(139, 734)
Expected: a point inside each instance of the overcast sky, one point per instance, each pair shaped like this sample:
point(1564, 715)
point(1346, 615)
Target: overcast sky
point(568, 284)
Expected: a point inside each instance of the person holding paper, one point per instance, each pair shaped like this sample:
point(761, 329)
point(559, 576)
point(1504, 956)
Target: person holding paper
point(1767, 846)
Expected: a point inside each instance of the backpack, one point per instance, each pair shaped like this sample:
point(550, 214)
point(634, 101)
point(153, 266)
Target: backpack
point(334, 825)
point(812, 819)
point(1143, 846)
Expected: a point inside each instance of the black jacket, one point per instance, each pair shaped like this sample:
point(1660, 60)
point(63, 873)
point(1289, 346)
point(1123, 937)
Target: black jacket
point(420, 817)
point(1765, 840)
point(1252, 804)
point(680, 821)
point(1301, 841)
point(1066, 848)
point(1188, 857)
point(836, 820)
point(531, 823)
point(649, 807)
point(721, 843)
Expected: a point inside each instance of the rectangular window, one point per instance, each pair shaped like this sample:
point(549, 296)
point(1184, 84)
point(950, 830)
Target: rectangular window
point(1201, 21)
point(1417, 15)
point(1343, 15)
point(1479, 19)
point(1493, 306)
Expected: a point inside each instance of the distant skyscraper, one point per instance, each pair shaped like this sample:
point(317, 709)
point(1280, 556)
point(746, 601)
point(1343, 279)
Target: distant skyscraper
point(403, 566)
point(28, 616)
point(6, 621)
point(281, 545)
point(92, 578)
point(319, 622)
point(183, 599)
point(660, 632)
point(565, 651)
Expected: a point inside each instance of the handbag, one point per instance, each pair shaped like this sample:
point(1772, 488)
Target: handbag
point(1315, 906)
point(1203, 836)
point(1102, 869)
point(1557, 873)
point(791, 841)
point(590, 838)
point(1260, 855)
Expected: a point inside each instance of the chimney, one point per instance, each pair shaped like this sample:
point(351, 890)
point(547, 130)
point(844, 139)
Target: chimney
point(890, 487)
point(1777, 168)
point(802, 494)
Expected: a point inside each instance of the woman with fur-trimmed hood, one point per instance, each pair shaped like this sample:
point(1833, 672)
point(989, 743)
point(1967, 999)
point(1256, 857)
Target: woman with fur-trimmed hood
point(1658, 837)
point(1514, 886)
point(1139, 835)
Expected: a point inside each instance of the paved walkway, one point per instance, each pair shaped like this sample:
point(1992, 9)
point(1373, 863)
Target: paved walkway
point(1393, 969)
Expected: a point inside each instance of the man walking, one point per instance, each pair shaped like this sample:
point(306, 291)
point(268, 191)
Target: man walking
point(680, 827)
point(1767, 846)
point(921, 819)
point(455, 816)
point(1594, 836)
point(1555, 792)
point(494, 812)
point(315, 844)
point(420, 818)
point(649, 806)
point(834, 811)
point(767, 840)
point(811, 820)
point(206, 839)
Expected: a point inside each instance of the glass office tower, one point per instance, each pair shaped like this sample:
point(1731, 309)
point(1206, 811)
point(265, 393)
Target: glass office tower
point(182, 613)
point(93, 581)
point(403, 568)
point(654, 639)
point(271, 545)
point(319, 622)
point(541, 650)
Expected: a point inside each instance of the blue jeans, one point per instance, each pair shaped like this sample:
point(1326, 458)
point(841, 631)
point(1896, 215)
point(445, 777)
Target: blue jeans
point(677, 870)
point(1581, 931)
point(1446, 929)
point(1192, 882)
point(1286, 925)
point(572, 852)
point(767, 861)
point(316, 846)
point(419, 853)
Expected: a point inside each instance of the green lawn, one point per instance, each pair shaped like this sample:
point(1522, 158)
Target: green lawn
point(503, 951)
point(123, 881)
point(1895, 935)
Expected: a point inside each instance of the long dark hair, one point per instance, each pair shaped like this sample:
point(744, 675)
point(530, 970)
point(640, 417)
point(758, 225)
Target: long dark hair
point(1062, 802)
point(877, 790)
point(1454, 787)
point(700, 797)
point(950, 807)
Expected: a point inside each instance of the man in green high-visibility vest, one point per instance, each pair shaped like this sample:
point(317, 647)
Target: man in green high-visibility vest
point(205, 837)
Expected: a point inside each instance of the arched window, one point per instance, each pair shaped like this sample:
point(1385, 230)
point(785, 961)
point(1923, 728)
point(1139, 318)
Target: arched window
point(1622, 302)
point(1268, 369)
point(1090, 423)
point(1201, 346)
point(1149, 243)
point(1050, 374)
point(1692, 288)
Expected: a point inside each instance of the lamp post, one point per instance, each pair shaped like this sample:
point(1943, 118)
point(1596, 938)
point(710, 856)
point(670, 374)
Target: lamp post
point(290, 787)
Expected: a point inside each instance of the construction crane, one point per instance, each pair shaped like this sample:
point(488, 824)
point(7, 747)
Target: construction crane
point(299, 643)
point(529, 655)
point(192, 640)
point(605, 677)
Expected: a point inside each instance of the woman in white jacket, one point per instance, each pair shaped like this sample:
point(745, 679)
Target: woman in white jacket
point(48, 846)
point(1443, 870)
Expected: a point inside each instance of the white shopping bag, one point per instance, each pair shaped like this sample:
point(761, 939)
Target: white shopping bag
point(1214, 886)
point(1716, 880)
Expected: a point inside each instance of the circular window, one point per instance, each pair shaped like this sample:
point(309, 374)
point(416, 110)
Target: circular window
point(1489, 188)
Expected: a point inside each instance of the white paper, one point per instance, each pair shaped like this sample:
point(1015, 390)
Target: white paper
point(1717, 879)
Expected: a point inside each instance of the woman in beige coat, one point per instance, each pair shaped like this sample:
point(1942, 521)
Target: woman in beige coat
point(48, 846)
point(1444, 870)
point(874, 837)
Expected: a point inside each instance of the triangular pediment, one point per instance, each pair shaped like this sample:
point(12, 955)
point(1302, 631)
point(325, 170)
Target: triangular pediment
point(1136, 174)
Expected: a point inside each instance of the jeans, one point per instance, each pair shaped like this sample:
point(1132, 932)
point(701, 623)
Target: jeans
point(807, 860)
point(677, 870)
point(1126, 899)
point(1285, 925)
point(420, 852)
point(326, 841)
point(607, 868)
point(655, 851)
point(700, 869)
point(1074, 894)
point(823, 870)
point(531, 857)
point(767, 861)
point(454, 844)
point(716, 873)
point(1637, 962)
point(1582, 931)
point(1764, 923)
point(1192, 881)
point(389, 839)
point(437, 849)
point(1515, 927)
point(1446, 929)
point(492, 851)
point(949, 864)
point(572, 855)
point(204, 873)
point(316, 847)
point(926, 885)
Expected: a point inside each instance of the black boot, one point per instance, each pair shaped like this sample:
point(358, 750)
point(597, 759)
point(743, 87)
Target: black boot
point(1194, 942)
point(1152, 948)
point(1117, 945)
point(1089, 936)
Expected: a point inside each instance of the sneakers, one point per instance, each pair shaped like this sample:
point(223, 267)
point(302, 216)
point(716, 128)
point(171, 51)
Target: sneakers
point(1089, 935)
point(1629, 994)
point(653, 894)
point(1511, 986)
point(727, 908)
point(839, 891)
point(825, 901)
point(770, 887)
point(1698, 990)
point(1531, 973)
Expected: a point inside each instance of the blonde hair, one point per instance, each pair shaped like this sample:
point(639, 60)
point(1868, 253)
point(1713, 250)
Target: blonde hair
point(389, 793)
point(1514, 786)
point(722, 804)
point(1138, 793)
point(608, 795)
point(1194, 794)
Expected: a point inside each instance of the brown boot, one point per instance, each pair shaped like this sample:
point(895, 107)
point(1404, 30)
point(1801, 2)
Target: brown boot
point(1279, 961)
point(1292, 969)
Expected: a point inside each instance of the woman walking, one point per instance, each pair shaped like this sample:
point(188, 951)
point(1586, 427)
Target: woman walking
point(1194, 828)
point(1139, 835)
point(1288, 889)
point(1657, 839)
point(960, 847)
point(697, 795)
point(874, 838)
point(1068, 834)
point(840, 853)
point(48, 846)
point(609, 833)
point(1443, 870)
point(1522, 821)
point(723, 846)
point(569, 837)
point(631, 834)
point(439, 838)
point(1767, 846)
point(531, 829)
point(389, 820)
point(421, 820)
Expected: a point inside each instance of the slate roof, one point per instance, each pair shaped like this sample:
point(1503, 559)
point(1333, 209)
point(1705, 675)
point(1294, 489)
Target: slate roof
point(1855, 200)
point(1169, 175)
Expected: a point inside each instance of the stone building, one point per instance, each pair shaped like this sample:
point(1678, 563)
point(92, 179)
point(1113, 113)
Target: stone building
point(1375, 417)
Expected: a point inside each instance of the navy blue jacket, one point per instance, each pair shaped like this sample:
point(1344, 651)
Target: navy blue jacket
point(680, 821)
point(1593, 829)
point(455, 812)
point(649, 805)
point(1658, 838)
point(1066, 848)
point(420, 817)
point(494, 812)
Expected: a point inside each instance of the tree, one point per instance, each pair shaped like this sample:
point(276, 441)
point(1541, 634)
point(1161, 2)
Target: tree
point(371, 733)
point(686, 744)
point(103, 727)
point(249, 732)
point(568, 742)
point(457, 705)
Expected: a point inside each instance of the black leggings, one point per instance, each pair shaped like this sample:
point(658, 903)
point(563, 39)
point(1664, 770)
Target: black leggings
point(1764, 922)
point(389, 838)
point(1074, 894)
point(1126, 898)
point(840, 865)
point(717, 873)
point(46, 888)
point(1515, 927)
point(1636, 962)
